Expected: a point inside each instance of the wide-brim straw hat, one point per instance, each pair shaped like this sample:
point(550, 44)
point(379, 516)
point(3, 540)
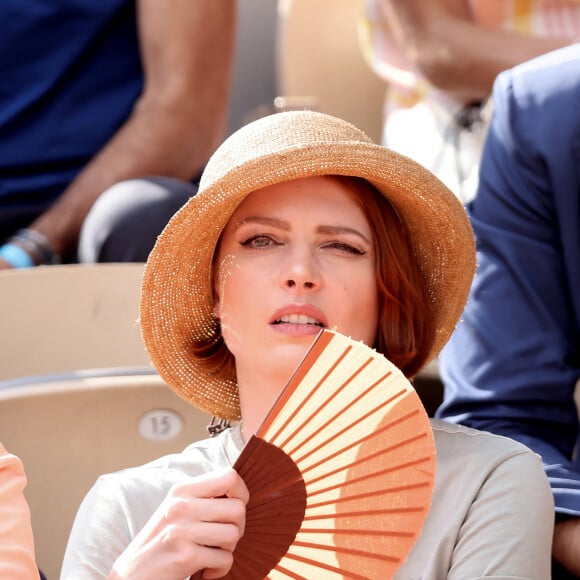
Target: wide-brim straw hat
point(176, 299)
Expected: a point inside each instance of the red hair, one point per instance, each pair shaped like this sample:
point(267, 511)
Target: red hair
point(406, 329)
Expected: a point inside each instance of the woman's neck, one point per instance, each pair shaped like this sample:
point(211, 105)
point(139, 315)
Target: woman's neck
point(254, 412)
point(257, 395)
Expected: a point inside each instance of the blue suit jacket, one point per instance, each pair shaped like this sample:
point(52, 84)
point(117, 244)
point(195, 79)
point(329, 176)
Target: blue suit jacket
point(513, 362)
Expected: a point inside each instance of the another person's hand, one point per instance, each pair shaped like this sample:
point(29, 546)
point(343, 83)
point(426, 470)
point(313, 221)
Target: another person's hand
point(566, 546)
point(196, 528)
point(26, 248)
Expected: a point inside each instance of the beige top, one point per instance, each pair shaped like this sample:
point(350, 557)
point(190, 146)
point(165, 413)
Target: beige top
point(16, 542)
point(491, 516)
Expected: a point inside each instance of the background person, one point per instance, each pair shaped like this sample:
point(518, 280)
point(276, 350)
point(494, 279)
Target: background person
point(97, 94)
point(512, 365)
point(17, 560)
point(439, 60)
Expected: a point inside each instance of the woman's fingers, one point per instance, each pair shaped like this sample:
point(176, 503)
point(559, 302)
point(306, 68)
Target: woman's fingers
point(215, 484)
point(196, 527)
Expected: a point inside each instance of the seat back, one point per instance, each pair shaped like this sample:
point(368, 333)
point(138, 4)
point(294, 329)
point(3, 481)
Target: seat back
point(69, 424)
point(320, 60)
point(61, 318)
point(70, 429)
point(254, 74)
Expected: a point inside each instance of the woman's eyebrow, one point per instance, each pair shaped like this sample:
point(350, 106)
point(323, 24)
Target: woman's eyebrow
point(266, 221)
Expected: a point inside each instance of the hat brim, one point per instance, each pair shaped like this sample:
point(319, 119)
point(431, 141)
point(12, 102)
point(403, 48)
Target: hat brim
point(176, 300)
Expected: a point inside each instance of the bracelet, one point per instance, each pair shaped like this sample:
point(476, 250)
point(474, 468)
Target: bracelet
point(16, 256)
point(37, 246)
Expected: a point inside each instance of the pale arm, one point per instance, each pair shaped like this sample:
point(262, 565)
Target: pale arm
point(453, 52)
point(16, 541)
point(187, 49)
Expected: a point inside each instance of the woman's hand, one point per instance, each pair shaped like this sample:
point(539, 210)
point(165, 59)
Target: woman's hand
point(196, 528)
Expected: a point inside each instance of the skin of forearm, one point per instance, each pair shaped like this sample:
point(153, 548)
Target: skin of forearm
point(187, 52)
point(566, 546)
point(463, 59)
point(454, 53)
point(158, 139)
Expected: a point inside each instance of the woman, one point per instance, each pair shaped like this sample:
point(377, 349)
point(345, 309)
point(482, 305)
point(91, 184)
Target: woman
point(301, 223)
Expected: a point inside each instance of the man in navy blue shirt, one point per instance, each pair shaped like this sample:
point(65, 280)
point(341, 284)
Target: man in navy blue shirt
point(97, 93)
point(512, 365)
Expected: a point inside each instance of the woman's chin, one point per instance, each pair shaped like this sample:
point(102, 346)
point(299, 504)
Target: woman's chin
point(290, 356)
point(275, 363)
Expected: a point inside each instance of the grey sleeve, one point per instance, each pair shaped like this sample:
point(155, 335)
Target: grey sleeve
point(508, 529)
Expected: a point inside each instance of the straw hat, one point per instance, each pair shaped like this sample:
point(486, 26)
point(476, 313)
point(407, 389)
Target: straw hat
point(176, 298)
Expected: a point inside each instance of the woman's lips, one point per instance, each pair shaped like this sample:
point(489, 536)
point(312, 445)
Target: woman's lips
point(303, 319)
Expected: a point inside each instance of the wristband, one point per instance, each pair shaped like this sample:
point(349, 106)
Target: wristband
point(16, 256)
point(37, 246)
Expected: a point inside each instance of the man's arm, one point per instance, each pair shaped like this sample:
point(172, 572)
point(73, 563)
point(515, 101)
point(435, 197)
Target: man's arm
point(566, 545)
point(454, 53)
point(187, 51)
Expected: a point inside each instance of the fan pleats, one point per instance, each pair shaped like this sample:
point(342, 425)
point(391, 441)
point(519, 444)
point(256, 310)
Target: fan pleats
point(353, 470)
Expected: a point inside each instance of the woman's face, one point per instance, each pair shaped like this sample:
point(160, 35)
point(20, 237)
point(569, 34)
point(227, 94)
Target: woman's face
point(293, 258)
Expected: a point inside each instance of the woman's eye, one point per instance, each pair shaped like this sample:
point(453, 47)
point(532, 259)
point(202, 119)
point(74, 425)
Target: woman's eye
point(260, 241)
point(345, 247)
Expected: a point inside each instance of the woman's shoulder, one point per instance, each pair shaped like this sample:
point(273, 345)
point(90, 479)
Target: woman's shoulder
point(477, 464)
point(459, 443)
point(197, 458)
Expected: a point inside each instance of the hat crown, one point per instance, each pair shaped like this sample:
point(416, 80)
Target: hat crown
point(276, 134)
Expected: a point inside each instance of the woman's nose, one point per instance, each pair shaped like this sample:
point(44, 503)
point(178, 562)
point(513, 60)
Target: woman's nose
point(300, 272)
point(306, 284)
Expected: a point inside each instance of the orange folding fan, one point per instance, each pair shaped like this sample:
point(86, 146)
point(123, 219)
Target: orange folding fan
point(340, 473)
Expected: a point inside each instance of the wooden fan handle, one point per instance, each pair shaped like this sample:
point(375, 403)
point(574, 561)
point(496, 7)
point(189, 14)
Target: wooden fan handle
point(276, 507)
